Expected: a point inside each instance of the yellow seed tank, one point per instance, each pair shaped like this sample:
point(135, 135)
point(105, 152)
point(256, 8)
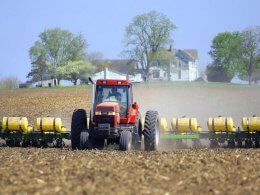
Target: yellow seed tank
point(221, 124)
point(185, 124)
point(251, 123)
point(16, 124)
point(49, 124)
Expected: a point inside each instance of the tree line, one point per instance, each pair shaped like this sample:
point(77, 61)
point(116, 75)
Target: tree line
point(59, 54)
point(235, 54)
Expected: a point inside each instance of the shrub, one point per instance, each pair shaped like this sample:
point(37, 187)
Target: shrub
point(199, 79)
point(218, 74)
point(9, 83)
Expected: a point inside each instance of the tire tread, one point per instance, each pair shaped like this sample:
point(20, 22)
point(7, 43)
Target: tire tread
point(151, 119)
point(78, 124)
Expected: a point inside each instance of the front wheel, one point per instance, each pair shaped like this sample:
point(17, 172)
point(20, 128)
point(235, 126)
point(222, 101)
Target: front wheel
point(151, 131)
point(84, 140)
point(125, 141)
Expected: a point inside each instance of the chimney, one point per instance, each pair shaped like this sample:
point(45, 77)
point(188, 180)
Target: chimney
point(105, 73)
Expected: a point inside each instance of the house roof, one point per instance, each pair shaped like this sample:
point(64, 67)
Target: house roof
point(123, 66)
point(108, 71)
point(182, 55)
point(192, 52)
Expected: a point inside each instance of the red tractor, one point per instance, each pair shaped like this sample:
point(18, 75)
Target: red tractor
point(114, 119)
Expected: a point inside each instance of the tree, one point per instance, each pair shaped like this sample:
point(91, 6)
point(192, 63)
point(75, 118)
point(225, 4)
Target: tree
point(74, 70)
point(144, 36)
point(256, 75)
point(164, 60)
point(98, 60)
point(59, 46)
point(251, 54)
point(226, 50)
point(39, 69)
point(95, 56)
point(216, 73)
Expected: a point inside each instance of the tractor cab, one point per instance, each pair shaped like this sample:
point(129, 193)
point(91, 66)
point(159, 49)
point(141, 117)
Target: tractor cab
point(113, 104)
point(108, 95)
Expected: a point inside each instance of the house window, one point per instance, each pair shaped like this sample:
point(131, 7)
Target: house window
point(164, 74)
point(156, 74)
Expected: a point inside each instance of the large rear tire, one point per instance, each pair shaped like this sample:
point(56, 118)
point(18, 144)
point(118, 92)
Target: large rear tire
point(151, 131)
point(78, 124)
point(125, 141)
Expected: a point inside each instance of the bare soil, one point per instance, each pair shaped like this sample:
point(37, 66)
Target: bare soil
point(49, 171)
point(189, 171)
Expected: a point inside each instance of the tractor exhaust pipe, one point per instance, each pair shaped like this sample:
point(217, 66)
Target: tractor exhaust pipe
point(93, 97)
point(90, 80)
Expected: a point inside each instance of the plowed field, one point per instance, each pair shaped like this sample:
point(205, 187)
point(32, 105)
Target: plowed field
point(48, 171)
point(191, 171)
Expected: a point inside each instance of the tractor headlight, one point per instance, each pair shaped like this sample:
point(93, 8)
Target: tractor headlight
point(97, 113)
point(111, 113)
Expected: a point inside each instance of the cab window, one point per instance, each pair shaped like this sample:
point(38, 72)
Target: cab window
point(113, 94)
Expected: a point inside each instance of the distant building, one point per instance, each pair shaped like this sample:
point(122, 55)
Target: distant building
point(120, 69)
point(25, 85)
point(108, 74)
point(185, 67)
point(111, 74)
point(45, 83)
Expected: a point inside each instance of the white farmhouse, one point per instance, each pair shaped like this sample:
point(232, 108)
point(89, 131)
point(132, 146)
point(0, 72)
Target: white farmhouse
point(119, 69)
point(185, 67)
point(108, 74)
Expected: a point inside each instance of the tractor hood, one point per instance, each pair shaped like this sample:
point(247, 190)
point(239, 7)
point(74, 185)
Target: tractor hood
point(108, 107)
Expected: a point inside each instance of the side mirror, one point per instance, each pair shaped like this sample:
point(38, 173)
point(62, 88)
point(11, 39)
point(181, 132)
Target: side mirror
point(134, 106)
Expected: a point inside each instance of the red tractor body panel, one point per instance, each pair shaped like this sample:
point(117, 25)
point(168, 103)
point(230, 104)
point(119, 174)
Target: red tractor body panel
point(109, 108)
point(113, 82)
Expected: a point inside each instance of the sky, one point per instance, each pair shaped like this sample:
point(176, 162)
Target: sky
point(103, 23)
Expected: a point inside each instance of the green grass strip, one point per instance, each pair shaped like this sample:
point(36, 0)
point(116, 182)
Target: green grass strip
point(179, 136)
